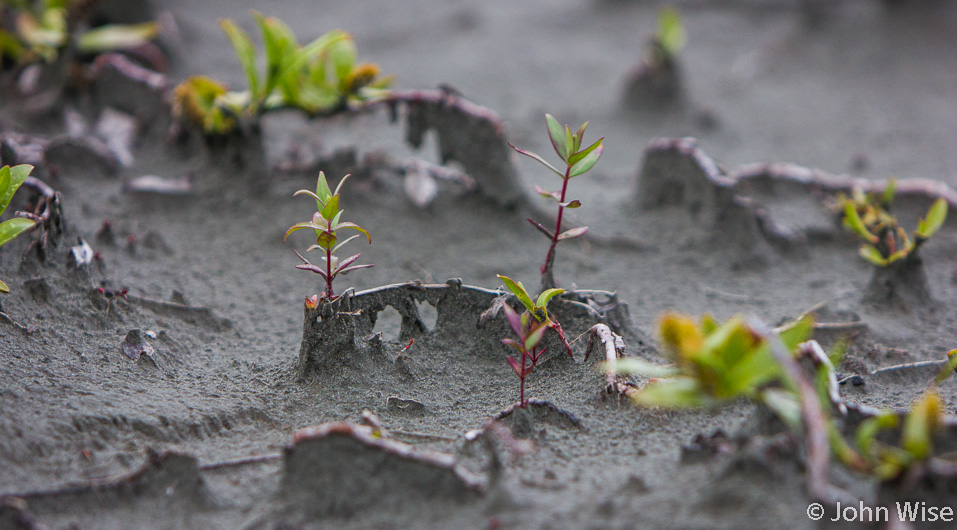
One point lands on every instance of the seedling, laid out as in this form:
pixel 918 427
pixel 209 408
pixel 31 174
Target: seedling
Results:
pixel 715 364
pixel 46 28
pixel 326 224
pixel 321 77
pixel 885 241
pixel 668 41
pixel 577 162
pixel 10 180
pixel 529 329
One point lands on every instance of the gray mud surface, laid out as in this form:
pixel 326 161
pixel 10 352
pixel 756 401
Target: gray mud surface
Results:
pixel 202 432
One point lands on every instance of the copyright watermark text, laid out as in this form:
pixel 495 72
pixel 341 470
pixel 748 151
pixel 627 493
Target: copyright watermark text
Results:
pixel 905 511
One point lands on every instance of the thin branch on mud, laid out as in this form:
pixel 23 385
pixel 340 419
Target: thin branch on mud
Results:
pixel 256 459
pixel 46 214
pixel 813 350
pixel 907 366
pixel 6 318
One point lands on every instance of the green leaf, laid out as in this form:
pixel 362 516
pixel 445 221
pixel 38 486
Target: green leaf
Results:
pixel 11 228
pixel 569 142
pixel 587 162
pixel 680 392
pixel 935 219
pixel 574 232
pixel 341 182
pixel 571 204
pixel 11 178
pixel 341 243
pixel 852 220
pixel 117 37
pixel 557 195
pixel 354 226
pixel 278 41
pixel 519 291
pixel 245 52
pixel 579 136
pixel 867 432
pixel 342 56
pixel 322 189
pixel 331 208
pixel 949 367
pixel 547 295
pixel 786 406
pixel 575 158
pixel 3 287
pixel 539 159
pixel 671 33
pixel 921 424
pixel 300 226
pixel 557 135
pixel 535 336
pixel 887 197
pixel 636 366
pixel 871 254
pixel 797 332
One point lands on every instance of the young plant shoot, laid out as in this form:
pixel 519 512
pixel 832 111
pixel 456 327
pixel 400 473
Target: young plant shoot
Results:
pixel 577 162
pixel 326 223
pixel 10 180
pixel 529 329
pixel 885 241
pixel 321 77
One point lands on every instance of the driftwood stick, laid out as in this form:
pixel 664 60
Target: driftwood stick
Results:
pixel 614 348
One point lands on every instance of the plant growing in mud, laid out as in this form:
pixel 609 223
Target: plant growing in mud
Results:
pixel 669 40
pixel 577 161
pixel 885 241
pixel 10 180
pixel 43 30
pixel 529 329
pixel 326 223
pixel 714 364
pixel 321 77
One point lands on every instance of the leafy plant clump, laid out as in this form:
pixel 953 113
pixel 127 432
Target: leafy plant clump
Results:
pixel 529 329
pixel 885 241
pixel 578 161
pixel 10 180
pixel 714 364
pixel 321 77
pixel 326 223
pixel 42 30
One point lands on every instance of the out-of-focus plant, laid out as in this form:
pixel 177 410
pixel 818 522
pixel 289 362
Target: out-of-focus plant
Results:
pixel 326 223
pixel 10 180
pixel 321 77
pixel 529 329
pixel 43 29
pixel 885 241
pixel 577 161
pixel 669 40
pixel 716 363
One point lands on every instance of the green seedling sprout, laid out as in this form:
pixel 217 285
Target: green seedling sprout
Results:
pixel 10 180
pixel 578 161
pixel 44 29
pixel 669 40
pixel 885 241
pixel 321 77
pixel 714 364
pixel 529 329
pixel 326 223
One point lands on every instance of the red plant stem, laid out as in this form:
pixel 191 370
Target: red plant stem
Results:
pixel 329 294
pixel 558 223
pixel 521 381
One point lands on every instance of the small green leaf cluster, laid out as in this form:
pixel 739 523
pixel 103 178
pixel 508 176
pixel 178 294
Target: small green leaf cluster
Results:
pixel 319 77
pixel 670 38
pixel 326 223
pixel 885 241
pixel 529 329
pixel 10 180
pixel 714 364
pixel 921 423
pixel 578 161
pixel 44 30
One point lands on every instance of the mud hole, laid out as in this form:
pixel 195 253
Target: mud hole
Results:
pixel 158 367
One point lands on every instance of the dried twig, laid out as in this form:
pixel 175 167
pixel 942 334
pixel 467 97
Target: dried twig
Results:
pixel 908 366
pixel 614 348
